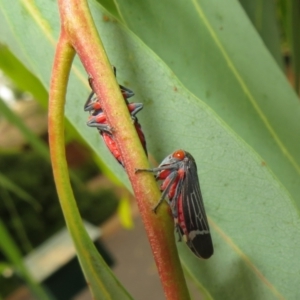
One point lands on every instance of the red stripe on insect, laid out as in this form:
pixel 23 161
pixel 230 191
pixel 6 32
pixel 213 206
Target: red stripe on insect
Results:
pixel 181 189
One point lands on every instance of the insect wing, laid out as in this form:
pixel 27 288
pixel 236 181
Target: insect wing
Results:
pixel 199 238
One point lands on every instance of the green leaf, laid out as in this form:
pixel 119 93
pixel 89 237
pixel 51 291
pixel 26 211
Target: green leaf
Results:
pixel 241 123
pixel 13 255
pixel 4 266
pixel 263 16
pixel 16 71
pixel 220 58
pixel 9 185
pixel 290 18
pixel 32 139
pixel 124 213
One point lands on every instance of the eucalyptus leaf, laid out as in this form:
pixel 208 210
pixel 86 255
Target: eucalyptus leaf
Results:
pixel 215 51
pixel 263 15
pixel 250 183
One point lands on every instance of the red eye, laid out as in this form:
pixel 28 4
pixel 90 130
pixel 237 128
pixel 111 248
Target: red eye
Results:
pixel 179 154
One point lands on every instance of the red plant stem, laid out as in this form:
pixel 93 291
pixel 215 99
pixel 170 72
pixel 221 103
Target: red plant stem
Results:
pixel 82 34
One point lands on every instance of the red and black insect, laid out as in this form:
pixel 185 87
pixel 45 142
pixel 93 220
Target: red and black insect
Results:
pixel 181 186
pixel 98 119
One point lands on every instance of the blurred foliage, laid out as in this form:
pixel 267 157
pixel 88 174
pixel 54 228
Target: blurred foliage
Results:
pixel 288 12
pixel 34 175
pixel 17 72
pixel 262 14
pixel 95 207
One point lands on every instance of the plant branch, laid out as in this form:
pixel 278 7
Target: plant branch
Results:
pixel 81 32
pixel 100 279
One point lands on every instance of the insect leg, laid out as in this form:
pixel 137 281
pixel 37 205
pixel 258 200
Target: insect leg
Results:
pixel 172 177
pixel 134 108
pixel 158 169
pixel 179 231
pixel 100 126
pixel 126 92
pixel 88 106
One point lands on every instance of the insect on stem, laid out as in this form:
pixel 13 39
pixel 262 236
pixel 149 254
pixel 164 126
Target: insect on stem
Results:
pixel 181 189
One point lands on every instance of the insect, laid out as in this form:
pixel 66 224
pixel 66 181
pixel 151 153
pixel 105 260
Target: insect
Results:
pixel 93 103
pixel 98 119
pixel 181 187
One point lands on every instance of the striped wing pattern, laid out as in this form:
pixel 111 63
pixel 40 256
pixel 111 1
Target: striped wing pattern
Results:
pixel 199 238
